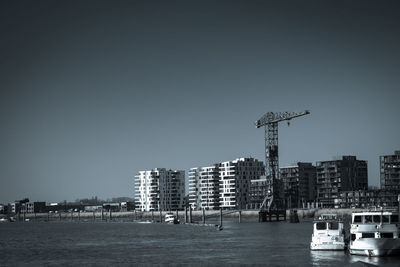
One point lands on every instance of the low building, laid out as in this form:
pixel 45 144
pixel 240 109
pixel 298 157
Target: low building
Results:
pixel 115 207
pixel 367 199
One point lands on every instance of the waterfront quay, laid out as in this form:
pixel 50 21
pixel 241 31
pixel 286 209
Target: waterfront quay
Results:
pixel 196 216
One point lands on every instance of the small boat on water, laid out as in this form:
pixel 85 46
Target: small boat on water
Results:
pixel 170 218
pixel 328 233
pixel 375 233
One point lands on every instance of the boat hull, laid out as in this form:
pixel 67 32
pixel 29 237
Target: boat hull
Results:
pixel 331 246
pixel 375 247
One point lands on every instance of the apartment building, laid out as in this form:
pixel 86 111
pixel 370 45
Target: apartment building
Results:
pixel 390 171
pixel 235 181
pixel 258 191
pixel 336 176
pixel 160 189
pixel 299 184
pixel 224 185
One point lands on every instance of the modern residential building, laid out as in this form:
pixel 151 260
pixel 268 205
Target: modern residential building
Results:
pixel 367 199
pixel 235 181
pixel 209 183
pixel 390 171
pixel 258 191
pixel 159 189
pixel 224 185
pixel 194 188
pixel 336 176
pixel 299 184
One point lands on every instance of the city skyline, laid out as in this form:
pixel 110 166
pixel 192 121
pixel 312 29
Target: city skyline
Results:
pixel 94 92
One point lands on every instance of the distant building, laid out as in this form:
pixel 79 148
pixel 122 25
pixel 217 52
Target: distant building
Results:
pixel 159 189
pixel 390 171
pixel 258 190
pixel 113 206
pixel 204 187
pixel 336 176
pixel 224 185
pixel 236 177
pixel 367 199
pixel 194 188
pixel 299 184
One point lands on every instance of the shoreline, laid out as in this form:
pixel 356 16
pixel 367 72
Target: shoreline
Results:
pixel 156 216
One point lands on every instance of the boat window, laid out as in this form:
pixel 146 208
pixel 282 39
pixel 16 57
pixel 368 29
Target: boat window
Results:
pixel 353 237
pixel 386 235
pixel 368 219
pixel 385 218
pixel 394 218
pixel 321 226
pixel 333 226
pixel 368 235
pixel 357 219
pixel 377 218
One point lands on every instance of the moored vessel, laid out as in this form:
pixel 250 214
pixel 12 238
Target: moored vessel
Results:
pixel 170 218
pixel 328 233
pixel 374 233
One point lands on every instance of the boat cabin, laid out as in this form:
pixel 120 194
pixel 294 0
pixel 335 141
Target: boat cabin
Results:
pixel 375 218
pixel 327 223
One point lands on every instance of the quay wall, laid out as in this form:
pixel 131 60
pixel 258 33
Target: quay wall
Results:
pixel 197 216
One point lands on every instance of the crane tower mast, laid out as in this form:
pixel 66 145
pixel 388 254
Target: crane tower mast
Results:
pixel 270 122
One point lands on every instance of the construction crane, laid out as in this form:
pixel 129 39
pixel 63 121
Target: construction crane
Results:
pixel 274 198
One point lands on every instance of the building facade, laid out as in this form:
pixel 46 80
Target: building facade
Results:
pixel 299 184
pixel 159 189
pixel 258 191
pixel 367 199
pixel 235 181
pixel 336 176
pixel 390 171
pixel 224 185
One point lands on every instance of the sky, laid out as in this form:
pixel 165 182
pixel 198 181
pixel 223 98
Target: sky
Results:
pixel 92 92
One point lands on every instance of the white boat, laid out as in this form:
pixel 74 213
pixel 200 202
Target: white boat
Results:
pixel 170 218
pixel 328 233
pixel 374 233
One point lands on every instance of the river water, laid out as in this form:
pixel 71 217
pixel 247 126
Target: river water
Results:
pixel 133 244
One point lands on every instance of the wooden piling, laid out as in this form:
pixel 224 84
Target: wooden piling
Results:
pixel 185 214
pixel 190 214
pixel 220 217
pixel 160 216
pixel 240 216
pixel 204 216
pixel 102 214
pixel 152 215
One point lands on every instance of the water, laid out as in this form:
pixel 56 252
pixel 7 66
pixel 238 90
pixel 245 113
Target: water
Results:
pixel 128 244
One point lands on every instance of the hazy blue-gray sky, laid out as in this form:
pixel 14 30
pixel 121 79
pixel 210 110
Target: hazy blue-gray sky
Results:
pixel 93 92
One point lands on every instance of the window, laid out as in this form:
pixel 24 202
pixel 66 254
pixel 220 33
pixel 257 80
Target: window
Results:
pixel 333 225
pixel 368 235
pixel 353 237
pixel 321 226
pixel 377 218
pixel 394 218
pixel 357 219
pixel 386 235
pixel 368 219
pixel 385 218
